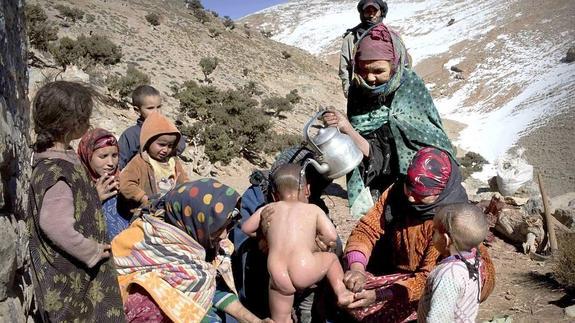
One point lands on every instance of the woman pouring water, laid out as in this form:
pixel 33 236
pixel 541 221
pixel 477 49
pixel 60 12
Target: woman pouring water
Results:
pixel 390 116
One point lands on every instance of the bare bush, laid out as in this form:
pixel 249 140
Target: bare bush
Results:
pixel 40 31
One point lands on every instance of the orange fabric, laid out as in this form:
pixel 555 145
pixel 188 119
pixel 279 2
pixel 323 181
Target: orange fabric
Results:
pixel 408 249
pixel 489 273
pixel 154 125
pixel 137 178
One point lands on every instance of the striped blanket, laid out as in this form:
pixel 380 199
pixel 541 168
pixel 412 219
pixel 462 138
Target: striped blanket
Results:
pixel 170 266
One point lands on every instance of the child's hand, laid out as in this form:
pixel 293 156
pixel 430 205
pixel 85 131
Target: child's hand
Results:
pixel 106 251
pixel 107 186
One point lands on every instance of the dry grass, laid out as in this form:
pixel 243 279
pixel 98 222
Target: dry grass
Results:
pixel 564 269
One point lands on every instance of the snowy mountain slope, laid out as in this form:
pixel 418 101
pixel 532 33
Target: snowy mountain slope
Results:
pixel 510 52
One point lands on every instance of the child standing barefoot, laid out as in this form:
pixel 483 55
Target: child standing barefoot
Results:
pixel 294 261
pixel 74 279
pixel 453 288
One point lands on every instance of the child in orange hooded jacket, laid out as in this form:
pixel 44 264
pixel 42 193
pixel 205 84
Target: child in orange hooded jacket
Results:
pixel 155 170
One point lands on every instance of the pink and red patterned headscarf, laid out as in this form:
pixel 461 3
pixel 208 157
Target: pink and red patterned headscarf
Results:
pixel 428 172
pixel 91 141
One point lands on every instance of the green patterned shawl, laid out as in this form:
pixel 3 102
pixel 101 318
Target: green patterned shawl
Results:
pixel 412 116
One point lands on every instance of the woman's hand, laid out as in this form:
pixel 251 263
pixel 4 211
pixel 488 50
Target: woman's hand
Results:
pixel 363 299
pixel 354 279
pixel 325 246
pixel 334 118
pixel 107 186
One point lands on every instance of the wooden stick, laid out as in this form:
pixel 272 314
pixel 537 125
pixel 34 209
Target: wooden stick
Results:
pixel 548 217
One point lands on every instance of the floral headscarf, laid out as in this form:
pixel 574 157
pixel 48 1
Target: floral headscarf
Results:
pixel 202 208
pixel 91 141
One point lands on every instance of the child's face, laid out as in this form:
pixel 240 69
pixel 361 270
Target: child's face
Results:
pixel 161 149
pixel 151 104
pixel 440 240
pixel 105 160
pixel 374 72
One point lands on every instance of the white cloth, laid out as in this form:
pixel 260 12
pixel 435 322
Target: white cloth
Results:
pixel 450 295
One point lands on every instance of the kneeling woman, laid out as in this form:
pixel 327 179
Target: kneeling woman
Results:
pixel 174 263
pixel 390 252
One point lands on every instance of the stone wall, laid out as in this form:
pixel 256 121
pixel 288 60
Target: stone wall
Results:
pixel 15 292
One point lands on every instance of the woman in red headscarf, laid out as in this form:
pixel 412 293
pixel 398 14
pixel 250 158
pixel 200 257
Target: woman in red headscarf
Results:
pixel 98 150
pixel 390 252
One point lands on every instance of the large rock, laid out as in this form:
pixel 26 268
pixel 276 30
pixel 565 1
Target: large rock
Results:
pixel 570 57
pixel 11 311
pixel 566 216
pixel 14 157
pixel 7 257
pixel 562 201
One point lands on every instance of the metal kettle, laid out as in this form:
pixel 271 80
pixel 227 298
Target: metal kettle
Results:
pixel 336 151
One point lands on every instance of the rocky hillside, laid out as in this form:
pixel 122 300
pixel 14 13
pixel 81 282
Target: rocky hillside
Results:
pixel 170 54
pixel 514 87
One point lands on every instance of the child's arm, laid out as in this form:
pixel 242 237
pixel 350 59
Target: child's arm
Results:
pixel 130 182
pixel 253 223
pixel 325 229
pixel 57 221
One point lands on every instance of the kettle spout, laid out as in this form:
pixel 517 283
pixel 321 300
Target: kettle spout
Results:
pixel 321 168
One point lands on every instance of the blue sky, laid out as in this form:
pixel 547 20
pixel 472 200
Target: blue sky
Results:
pixel 238 8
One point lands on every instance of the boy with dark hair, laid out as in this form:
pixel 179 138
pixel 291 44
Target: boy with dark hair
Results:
pixel 146 100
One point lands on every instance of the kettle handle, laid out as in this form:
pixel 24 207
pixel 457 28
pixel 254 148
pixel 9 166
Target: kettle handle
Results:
pixel 306 131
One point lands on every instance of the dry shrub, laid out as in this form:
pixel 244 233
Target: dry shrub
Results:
pixel 40 31
pixel 126 84
pixel 153 19
pixel 71 13
pixel 86 51
pixel 564 268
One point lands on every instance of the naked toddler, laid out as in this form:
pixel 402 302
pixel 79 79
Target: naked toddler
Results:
pixel 294 260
